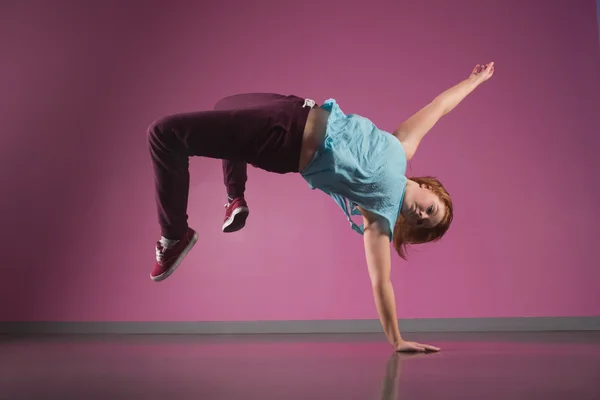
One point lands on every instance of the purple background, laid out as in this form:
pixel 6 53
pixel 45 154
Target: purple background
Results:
pixel 81 83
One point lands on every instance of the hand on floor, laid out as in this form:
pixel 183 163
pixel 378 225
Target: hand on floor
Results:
pixel 405 346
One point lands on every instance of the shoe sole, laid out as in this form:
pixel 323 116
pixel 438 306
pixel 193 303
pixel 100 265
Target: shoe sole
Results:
pixel 178 261
pixel 236 221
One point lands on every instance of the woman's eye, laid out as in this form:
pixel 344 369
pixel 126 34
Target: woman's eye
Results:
pixel 430 210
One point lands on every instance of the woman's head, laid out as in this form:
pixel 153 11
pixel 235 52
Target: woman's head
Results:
pixel 425 215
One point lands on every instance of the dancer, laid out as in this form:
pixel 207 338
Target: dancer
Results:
pixel 345 156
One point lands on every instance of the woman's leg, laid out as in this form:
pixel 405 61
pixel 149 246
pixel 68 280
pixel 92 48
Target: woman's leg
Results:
pixel 268 136
pixel 226 134
pixel 235 173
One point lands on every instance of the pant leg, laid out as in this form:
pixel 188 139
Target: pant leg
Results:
pixel 235 176
pixel 170 164
pixel 172 140
pixel 235 173
pixel 267 136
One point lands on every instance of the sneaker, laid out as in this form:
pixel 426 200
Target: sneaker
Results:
pixel 168 259
pixel 236 213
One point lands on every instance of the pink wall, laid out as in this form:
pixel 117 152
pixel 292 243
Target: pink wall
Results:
pixel 80 85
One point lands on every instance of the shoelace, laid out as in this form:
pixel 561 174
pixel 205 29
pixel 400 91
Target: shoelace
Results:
pixel 160 252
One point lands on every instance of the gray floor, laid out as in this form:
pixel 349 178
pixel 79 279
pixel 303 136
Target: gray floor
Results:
pixel 561 365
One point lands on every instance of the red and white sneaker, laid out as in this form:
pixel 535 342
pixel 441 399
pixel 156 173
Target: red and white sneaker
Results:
pixel 168 259
pixel 236 213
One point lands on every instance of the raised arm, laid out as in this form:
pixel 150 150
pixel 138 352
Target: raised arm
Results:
pixel 377 252
pixel 411 132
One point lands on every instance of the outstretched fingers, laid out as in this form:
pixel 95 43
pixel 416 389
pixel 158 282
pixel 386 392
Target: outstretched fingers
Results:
pixel 427 347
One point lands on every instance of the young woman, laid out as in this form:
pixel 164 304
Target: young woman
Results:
pixel 346 156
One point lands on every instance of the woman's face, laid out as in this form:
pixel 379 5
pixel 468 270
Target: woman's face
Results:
pixel 421 207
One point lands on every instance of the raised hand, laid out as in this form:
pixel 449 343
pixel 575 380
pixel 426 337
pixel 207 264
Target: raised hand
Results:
pixel 482 72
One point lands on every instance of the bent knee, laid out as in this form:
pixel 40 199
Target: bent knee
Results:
pixel 158 127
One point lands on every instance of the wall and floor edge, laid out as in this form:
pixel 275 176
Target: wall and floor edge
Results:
pixel 519 324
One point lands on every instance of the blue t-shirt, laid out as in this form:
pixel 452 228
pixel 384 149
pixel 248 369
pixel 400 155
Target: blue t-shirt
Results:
pixel 359 165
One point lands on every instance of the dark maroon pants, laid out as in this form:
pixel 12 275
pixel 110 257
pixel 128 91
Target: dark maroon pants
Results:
pixel 261 129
